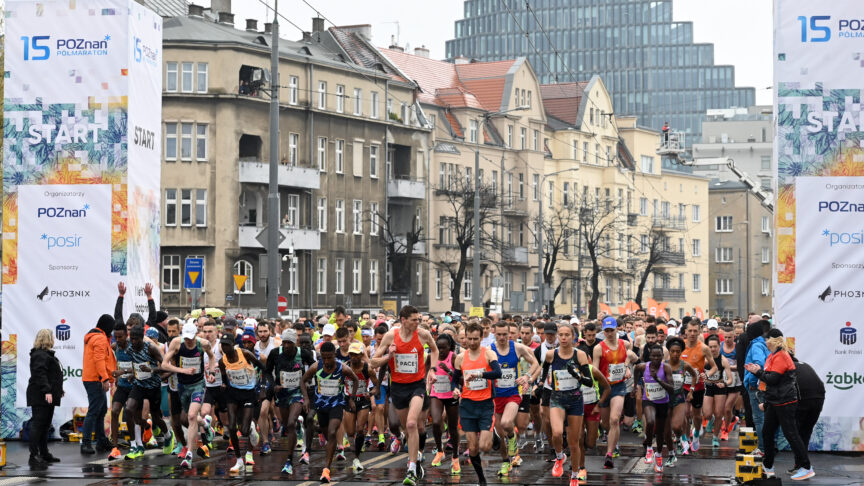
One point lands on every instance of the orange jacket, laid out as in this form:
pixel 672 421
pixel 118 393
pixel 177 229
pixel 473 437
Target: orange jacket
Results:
pixel 99 359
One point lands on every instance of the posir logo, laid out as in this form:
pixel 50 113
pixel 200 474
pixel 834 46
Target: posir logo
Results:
pixel 62 241
pixel 848 334
pixel 143 53
pixel 62 212
pixel 63 331
pixel 845 238
pixel 844 381
pixel 841 207
pixel 36 48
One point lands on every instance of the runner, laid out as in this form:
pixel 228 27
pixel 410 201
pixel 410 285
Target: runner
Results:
pixel 716 387
pixel 444 401
pixel 402 349
pixel 733 393
pixel 263 347
pixel 507 396
pixel 172 329
pixel 355 419
pixel 696 353
pixel 544 391
pixel 189 351
pixel 329 374
pixel 146 394
pixel 308 424
pixel 215 397
pixel 239 380
pixel 678 400
pixel 381 398
pixel 124 386
pixel 591 396
pixel 529 407
pixel 656 379
pixel 477 365
pixel 612 358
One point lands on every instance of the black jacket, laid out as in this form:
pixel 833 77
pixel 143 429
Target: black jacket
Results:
pixel 809 384
pixel 46 376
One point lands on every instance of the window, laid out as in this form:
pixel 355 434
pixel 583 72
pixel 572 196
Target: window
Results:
pixel 551 193
pixel 643 244
pixel 340 216
pixel 357 159
pixel 170 141
pixel 523 136
pixel 694 209
pixel 357 215
pixel 466 288
pixel 472 131
pixel 766 254
pixel 186 141
pixel 322 154
pixel 723 255
pixel 766 224
pixel 293 82
pixel 438 284
pixel 322 214
pixel 292 276
pixel 565 194
pixel 293 211
pixel 201 142
pixel 293 140
pixel 536 140
pixel 185 207
pixel 697 248
pixel 340 156
pixel 373 216
pixel 418 273
pixel 170 207
pixel 340 98
pixel 535 186
pixel 723 223
pixel 373 161
pixel 529 99
pixel 358 101
pixel 724 286
pixel 647 164
pixel 170 273
pixel 355 276
pixel 766 287
pixel 322 276
pixel 575 150
pixel 766 162
pixel 322 95
pixel 697 282
pixel 374 102
pixel 373 276
pixel 242 267
pixel 186 77
pixel 509 136
pixel 201 208
pixel 643 206
pixel 171 77
pixel 340 276
pixel 597 154
pixel 585 152
pixel 202 77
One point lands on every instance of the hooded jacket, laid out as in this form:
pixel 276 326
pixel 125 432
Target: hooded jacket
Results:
pixel 99 360
pixel 46 376
pixel 757 353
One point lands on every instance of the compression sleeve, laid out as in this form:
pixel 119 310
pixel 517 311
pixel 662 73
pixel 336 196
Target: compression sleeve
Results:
pixel 495 373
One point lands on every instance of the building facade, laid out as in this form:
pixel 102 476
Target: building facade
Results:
pixel 649 62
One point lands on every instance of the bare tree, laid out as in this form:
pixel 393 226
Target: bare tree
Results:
pixel 599 219
pixel 560 232
pixel 400 245
pixel 654 251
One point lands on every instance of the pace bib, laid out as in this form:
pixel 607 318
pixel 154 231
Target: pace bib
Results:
pixel 407 363
pixel 290 379
pixel 238 377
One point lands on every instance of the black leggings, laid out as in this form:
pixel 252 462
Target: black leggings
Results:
pixel 784 416
pixel 40 426
pixel 452 408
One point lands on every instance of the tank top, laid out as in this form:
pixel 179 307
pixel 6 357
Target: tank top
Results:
pixel 695 358
pixel 362 379
pixel 442 387
pixel 172 378
pixel 591 394
pixel 124 363
pixel 407 365
pixel 476 390
pixel 506 385
pixel 289 373
pixel 329 387
pixel 340 357
pixel 653 391
pixel 240 373
pixel 730 357
pixel 716 371
pixel 141 358
pixel 563 383
pixel 190 358
pixel 217 353
pixel 613 362
pixel 545 348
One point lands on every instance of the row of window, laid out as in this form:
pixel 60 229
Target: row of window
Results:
pixel 356 100
pixel 724 224
pixel 723 286
pixel 189 198
pixel 356 216
pixel 193 140
pixel 663 209
pixel 186 77
pixel 725 255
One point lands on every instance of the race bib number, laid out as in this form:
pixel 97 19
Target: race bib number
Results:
pixel 124 366
pixel 714 376
pixel 442 384
pixel 654 392
pixel 290 379
pixel 217 379
pixel 616 372
pixel 328 388
pixel 140 374
pixel 688 379
pixel 186 362
pixel 475 385
pixel 238 377
pixel 565 381
pixel 589 395
pixel 407 363
pixel 508 378
pixel 678 380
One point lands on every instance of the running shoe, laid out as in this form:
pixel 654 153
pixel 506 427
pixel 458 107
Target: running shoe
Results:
pixel 649 455
pixel 505 469
pixel 803 474
pixel 230 449
pixel 266 449
pixel 793 470
pixel 321 440
pixel 715 442
pixel 178 450
pixel 254 436
pixel 420 471
pixel 346 444
pixel 382 443
pixel 287 468
pixel 558 468
pixel 148 432
pixel 208 429
pixel 685 445
pixel 574 479
pixel 134 453
pixel 671 460
pixel 183 452
pixel 395 446
pixel 250 458
pixel 679 447
pixel 455 468
pixel 367 441
pixel 757 452
pixel 170 442
pixel 203 451
pixel 616 453
pixel 115 454
pixel 304 459
pixel 637 427
pixel 357 465
pixel 732 425
pixel 439 456
pixel 705 423
pixel 658 464
pixel 724 434
pixel 582 475
pixel 496 440
pixel 605 437
pixel 325 475
pixel 299 445
pixel 516 461
pixel 152 443
pixel 238 466
pixel 538 446
pixel 696 443
pixel 608 463
pixel 419 457
pixel 512 446
pixel 768 471
pixel 187 461
pixel 410 479
pixel 340 455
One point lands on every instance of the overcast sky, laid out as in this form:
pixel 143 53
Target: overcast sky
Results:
pixel 741 30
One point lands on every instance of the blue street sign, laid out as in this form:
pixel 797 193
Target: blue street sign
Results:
pixel 194 273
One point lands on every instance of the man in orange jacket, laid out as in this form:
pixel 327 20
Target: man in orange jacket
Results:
pixel 97 376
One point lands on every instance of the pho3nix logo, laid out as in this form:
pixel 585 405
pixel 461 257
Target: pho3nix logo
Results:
pixel 830 294
pixel 48 294
pixel 848 334
pixel 63 331
pixel 38 47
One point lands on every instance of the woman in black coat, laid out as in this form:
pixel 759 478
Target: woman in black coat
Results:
pixel 44 392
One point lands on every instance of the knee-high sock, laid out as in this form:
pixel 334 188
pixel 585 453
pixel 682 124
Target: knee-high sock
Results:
pixel 478 467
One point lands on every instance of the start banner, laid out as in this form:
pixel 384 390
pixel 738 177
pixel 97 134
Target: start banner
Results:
pixel 819 155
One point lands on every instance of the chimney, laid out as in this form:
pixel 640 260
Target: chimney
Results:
pixel 268 27
pixel 363 30
pixel 217 6
pixel 421 51
pixel 226 18
pixel 307 36
pixel 317 24
pixel 462 60
pixel 251 25
pixel 196 11
pixel 394 47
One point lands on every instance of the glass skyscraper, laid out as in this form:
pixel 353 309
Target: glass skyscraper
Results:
pixel 649 63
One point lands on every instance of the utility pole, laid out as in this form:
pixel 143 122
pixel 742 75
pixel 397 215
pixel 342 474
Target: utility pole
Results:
pixel 273 262
pixel 475 267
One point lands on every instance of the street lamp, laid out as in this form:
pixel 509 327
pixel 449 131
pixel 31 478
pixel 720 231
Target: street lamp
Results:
pixel 540 282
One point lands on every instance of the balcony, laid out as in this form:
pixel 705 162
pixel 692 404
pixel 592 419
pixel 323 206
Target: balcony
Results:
pixel 289 175
pixel 406 189
pixel 296 238
pixel 669 295
pixel 667 257
pixel 400 245
pixel 632 218
pixel 662 223
pixel 514 206
pixel 515 255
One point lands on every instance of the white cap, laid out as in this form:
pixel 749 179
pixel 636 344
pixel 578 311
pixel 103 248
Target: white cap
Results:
pixel 329 330
pixel 712 324
pixel 190 330
pixel 250 322
pixel 574 320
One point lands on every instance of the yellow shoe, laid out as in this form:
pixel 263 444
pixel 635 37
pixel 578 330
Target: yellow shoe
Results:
pixel 516 461
pixel 439 456
pixel 455 468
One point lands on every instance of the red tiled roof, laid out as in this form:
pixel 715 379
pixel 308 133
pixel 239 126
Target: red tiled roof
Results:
pixel 457 97
pixel 479 70
pixel 360 54
pixel 488 91
pixel 430 74
pixel 454 124
pixel 562 100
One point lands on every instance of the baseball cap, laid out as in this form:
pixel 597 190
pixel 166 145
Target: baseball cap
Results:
pixel 248 337
pixel 610 322
pixel 250 322
pixel 152 333
pixel 550 328
pixel 574 320
pixel 766 315
pixel 712 324
pixel 190 330
pixel 226 339
pixel 355 348
pixel 322 321
pixel 662 328
pixel 289 335
pixel 329 330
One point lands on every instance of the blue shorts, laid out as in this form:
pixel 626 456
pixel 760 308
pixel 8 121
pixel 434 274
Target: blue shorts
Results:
pixel 476 416
pixel 191 393
pixel 381 398
pixel 617 390
pixel 285 398
pixel 570 403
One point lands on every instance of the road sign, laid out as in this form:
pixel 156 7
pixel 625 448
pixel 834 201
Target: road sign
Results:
pixel 262 237
pixel 229 298
pixel 283 304
pixel 239 280
pixel 194 273
pixel 498 295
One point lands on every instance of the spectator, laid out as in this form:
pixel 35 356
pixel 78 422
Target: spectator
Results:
pixel 757 353
pixel 97 376
pixel 812 392
pixel 44 392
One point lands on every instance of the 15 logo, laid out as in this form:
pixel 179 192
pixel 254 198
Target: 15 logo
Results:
pixel 37 45
pixel 814 26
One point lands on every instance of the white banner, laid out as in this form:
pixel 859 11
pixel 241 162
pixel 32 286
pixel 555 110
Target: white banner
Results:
pixel 81 165
pixel 819 284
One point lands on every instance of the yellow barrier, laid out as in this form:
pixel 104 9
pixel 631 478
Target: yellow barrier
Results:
pixel 747 440
pixel 747 468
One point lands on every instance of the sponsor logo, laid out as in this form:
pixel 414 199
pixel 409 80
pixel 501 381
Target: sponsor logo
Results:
pixel 841 207
pixel 62 212
pixel 819 28
pixel 830 294
pixel 62 241
pixel 844 381
pixel 48 294
pixel 62 268
pixel 844 238
pixel 141 52
pixel 70 372
pixel 826 295
pixel 63 331
pixel 145 138
pixel 38 47
pixel 848 334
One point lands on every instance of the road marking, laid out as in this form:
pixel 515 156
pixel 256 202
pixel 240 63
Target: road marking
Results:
pixel 389 461
pixel 17 480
